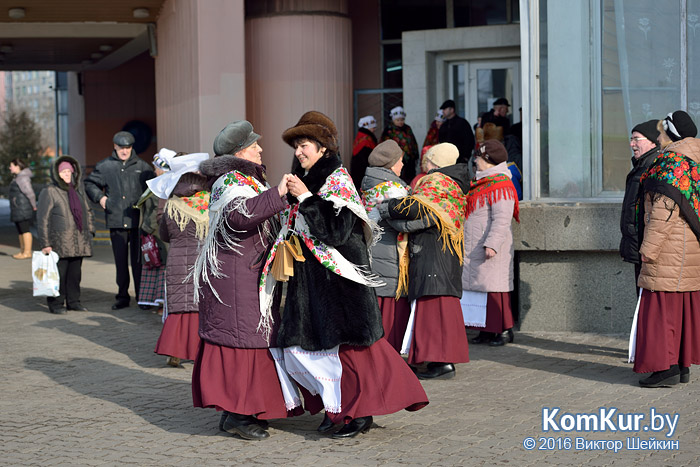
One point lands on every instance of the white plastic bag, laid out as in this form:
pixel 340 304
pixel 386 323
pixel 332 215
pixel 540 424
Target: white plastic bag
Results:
pixel 45 274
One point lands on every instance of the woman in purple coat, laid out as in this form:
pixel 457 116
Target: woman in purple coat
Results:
pixel 234 371
pixel 184 225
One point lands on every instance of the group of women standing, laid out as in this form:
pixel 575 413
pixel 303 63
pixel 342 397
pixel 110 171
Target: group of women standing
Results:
pixel 327 345
pixel 336 344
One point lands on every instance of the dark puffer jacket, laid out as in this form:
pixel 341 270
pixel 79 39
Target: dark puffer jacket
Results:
pixel 22 197
pixel 323 309
pixel 432 269
pixel 234 322
pixel 184 248
pixel 55 223
pixel 629 225
pixel 385 256
pixel 122 182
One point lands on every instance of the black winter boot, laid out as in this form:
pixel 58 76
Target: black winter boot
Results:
pixel 660 379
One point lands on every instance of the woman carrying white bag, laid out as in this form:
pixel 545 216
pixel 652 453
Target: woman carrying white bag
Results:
pixel 65 226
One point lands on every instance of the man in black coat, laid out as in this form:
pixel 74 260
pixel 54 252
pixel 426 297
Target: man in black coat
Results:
pixel 645 150
pixel 457 131
pixel 116 184
pixel 498 115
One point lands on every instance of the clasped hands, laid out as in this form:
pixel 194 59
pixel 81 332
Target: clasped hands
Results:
pixel 291 184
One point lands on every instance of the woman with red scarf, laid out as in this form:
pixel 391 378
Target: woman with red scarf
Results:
pixel 487 274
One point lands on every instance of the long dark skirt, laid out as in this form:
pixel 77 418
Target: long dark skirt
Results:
pixel 395 314
pixel 375 381
pixel 243 381
pixel 668 331
pixel 499 315
pixel 179 336
pixel 438 332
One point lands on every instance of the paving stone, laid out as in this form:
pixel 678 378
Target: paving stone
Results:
pixel 85 388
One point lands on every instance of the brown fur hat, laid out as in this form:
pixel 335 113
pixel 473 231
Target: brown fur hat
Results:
pixel 314 125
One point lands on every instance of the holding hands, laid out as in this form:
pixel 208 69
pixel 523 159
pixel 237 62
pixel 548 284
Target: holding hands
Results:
pixel 295 186
pixel 282 188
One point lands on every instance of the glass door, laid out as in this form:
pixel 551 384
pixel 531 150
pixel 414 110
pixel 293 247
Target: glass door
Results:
pixel 475 85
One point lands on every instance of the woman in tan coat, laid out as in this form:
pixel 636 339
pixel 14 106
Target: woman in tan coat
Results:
pixel 668 320
pixel 487 274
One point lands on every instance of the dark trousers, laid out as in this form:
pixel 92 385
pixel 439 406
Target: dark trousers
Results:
pixel 125 243
pixel 70 273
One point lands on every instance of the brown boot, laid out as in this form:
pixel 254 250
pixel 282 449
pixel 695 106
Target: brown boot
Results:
pixel 26 247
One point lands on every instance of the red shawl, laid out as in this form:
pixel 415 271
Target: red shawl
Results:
pixel 489 190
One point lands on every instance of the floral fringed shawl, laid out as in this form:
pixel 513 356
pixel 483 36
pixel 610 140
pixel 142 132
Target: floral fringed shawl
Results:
pixel 677 177
pixel 193 208
pixel 340 190
pixel 440 199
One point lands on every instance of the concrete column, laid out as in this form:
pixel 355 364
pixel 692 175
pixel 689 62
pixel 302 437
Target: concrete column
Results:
pixel 200 71
pixel 76 120
pixel 298 58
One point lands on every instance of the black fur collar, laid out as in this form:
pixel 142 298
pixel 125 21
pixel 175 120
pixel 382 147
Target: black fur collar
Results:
pixel 316 177
pixel 216 167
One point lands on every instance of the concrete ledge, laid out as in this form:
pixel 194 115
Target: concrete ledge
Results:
pixel 568 227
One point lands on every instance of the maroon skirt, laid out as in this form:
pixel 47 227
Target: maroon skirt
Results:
pixel 438 331
pixel 375 381
pixel 243 381
pixel 395 314
pixel 499 315
pixel 179 336
pixel 668 331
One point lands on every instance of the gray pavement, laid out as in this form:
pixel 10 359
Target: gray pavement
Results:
pixel 85 388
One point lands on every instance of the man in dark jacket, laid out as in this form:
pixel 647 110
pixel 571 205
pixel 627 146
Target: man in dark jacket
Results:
pixel 116 184
pixel 457 131
pixel 645 150
pixel 498 115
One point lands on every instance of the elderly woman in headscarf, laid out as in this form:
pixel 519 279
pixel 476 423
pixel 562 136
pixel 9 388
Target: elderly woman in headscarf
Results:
pixel 183 223
pixel 382 183
pixel 667 323
pixel 365 142
pixel 65 224
pixel 430 268
pixel 487 275
pixel 403 135
pixel 331 326
pixel 234 371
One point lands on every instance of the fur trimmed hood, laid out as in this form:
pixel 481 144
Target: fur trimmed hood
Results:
pixel 77 172
pixel 216 167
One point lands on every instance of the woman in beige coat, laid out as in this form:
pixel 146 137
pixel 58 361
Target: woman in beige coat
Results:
pixel 668 320
pixel 487 274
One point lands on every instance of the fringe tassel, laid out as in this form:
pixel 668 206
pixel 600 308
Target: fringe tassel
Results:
pixel 493 196
pixel 449 237
pixel 183 214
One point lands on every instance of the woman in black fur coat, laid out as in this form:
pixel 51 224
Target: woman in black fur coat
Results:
pixel 331 328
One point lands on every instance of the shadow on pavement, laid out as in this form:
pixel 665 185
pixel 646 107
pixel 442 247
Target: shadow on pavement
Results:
pixel 135 390
pixel 116 333
pixel 142 393
pixel 520 354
